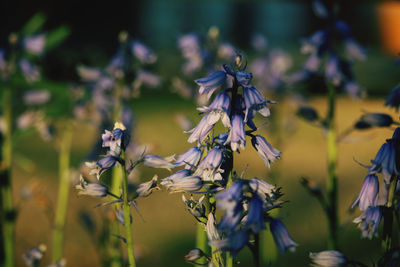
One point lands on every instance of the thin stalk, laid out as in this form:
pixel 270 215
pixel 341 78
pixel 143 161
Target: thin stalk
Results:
pixel 332 189
pixel 8 212
pixel 387 239
pixel 229 260
pixel 201 242
pixel 116 177
pixel 127 215
pixel 63 192
pixel 256 250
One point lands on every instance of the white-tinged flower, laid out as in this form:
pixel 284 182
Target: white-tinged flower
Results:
pixel 266 151
pixel 237 134
pixel 201 131
pixel 219 108
pixel 91 189
pixel 35 44
pixel 211 83
pixel 145 189
pixel 328 258
pixel 154 161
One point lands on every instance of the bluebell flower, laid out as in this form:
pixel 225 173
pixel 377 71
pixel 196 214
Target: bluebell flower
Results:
pixel 91 189
pixel 281 236
pixel 320 9
pixel 145 189
pixel 154 161
pixel 176 176
pixel 255 101
pixel 194 255
pixel 30 72
pixel 219 108
pixel 211 229
pixel 209 167
pixel 328 258
pixel 99 167
pixel 35 44
pixel 211 83
pixel 369 221
pixel 232 218
pixel 119 215
pixel 116 139
pixel 393 100
pixel 266 151
pixel 201 131
pixel 244 78
pixel 353 89
pixel 36 97
pixel 255 216
pixel 143 53
pixel 385 161
pixel 353 50
pixel 229 199
pixel 332 70
pixel 189 158
pixel 237 134
pixel 369 192
pixel 261 188
pixel 312 64
pixel 232 243
pixel 175 184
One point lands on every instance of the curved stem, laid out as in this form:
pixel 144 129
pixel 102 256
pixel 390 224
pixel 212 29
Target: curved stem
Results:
pixel 7 212
pixel 332 165
pixel 63 192
pixel 127 215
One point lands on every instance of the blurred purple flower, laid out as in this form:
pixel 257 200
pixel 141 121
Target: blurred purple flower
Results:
pixel 368 194
pixel 281 236
pixel 35 44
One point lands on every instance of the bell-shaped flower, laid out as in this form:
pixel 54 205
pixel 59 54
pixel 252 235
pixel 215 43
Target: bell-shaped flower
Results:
pixel 255 101
pixel 231 197
pixel 35 44
pixel 200 132
pixel 154 161
pixel 119 215
pixel 237 134
pixel 211 83
pixel 255 215
pixel 332 70
pixel 244 78
pixel 116 139
pixel 211 229
pixel 261 188
pixel 385 161
pixel 99 167
pixel 91 189
pixel 369 221
pixel 233 242
pixel 213 159
pixel 266 151
pixel 393 100
pixel 194 255
pixel 369 192
pixel 195 207
pixel 183 184
pixel 176 176
pixel 219 108
pixel 328 258
pixel 189 158
pixel 143 53
pixel 145 189
pixel 281 236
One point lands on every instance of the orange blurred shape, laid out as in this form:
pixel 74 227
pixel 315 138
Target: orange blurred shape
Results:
pixel 389 20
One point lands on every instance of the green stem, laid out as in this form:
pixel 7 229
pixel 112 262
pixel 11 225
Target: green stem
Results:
pixel 332 189
pixel 127 215
pixel 387 238
pixel 229 259
pixel 7 212
pixel 63 192
pixel 201 242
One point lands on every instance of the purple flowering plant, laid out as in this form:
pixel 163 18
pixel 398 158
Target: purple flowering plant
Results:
pixel 208 170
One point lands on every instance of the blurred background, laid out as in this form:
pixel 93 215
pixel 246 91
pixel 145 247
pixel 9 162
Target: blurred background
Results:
pixel 165 233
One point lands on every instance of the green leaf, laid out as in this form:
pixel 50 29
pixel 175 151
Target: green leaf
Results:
pixel 34 24
pixel 56 37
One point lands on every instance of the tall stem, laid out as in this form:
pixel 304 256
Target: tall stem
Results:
pixel 332 165
pixel 7 212
pixel 201 241
pixel 387 238
pixel 63 191
pixel 127 215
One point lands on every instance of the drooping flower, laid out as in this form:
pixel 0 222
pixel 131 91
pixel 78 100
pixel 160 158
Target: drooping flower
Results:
pixel 154 161
pixel 143 53
pixel 255 216
pixel 195 207
pixel 385 161
pixel 281 236
pixel 211 83
pixel 369 192
pixel 266 151
pixel 393 100
pixel 219 108
pixel 200 132
pixel 183 184
pixel 237 134
pixel 328 258
pixel 255 101
pixel 189 158
pixel 91 189
pixel 145 189
pixel 369 221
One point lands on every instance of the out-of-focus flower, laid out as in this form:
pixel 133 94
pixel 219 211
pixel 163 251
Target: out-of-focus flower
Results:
pixel 33 256
pixel 35 44
pixel 255 217
pixel 36 97
pixel 143 53
pixel 281 236
pixel 154 161
pixel 194 255
pixel 328 258
pixel 30 71
pixel 393 100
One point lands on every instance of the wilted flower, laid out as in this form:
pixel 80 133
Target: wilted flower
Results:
pixel 266 151
pixel 145 189
pixel 328 258
pixel 281 236
pixel 369 221
pixel 369 192
pixel 154 161
pixel 91 189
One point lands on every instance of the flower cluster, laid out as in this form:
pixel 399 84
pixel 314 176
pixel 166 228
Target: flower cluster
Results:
pixel 320 48
pixel 208 166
